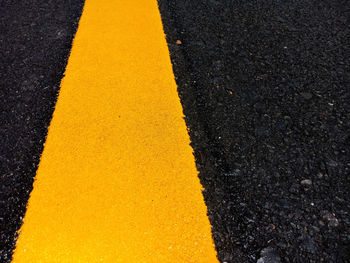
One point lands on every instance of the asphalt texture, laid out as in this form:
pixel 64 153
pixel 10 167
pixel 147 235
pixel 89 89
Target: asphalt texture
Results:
pixel 35 41
pixel 265 87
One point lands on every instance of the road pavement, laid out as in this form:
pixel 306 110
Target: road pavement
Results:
pixel 265 89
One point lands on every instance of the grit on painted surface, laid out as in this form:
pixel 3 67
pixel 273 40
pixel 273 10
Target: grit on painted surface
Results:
pixel 117 180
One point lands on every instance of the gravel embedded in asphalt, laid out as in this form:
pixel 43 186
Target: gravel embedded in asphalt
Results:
pixel 35 41
pixel 265 87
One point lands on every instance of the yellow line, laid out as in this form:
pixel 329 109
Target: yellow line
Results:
pixel 117 180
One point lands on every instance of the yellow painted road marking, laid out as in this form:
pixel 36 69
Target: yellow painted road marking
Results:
pixel 117 180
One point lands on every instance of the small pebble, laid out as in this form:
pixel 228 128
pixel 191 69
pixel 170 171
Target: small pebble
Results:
pixel 320 175
pixel 269 255
pixel 306 182
pixel 332 220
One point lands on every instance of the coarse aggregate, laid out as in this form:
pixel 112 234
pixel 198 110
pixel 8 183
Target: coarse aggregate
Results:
pixel 265 87
pixel 35 41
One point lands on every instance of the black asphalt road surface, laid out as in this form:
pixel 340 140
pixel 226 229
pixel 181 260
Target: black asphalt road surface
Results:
pixel 35 40
pixel 265 87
